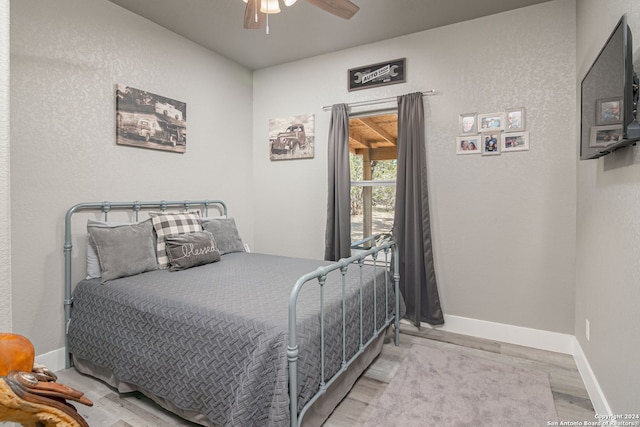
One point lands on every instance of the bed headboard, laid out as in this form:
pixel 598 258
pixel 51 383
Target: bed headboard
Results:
pixel 133 208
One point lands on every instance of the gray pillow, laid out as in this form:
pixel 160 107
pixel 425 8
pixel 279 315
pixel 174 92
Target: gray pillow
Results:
pixel 124 250
pixel 93 264
pixel 225 233
pixel 190 250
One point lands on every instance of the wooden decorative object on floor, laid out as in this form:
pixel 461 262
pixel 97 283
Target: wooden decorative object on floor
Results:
pixel 31 396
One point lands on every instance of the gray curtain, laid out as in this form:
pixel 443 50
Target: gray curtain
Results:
pixel 338 232
pixel 412 229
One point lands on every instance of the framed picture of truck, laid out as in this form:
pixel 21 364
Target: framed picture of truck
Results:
pixel 147 120
pixel 291 137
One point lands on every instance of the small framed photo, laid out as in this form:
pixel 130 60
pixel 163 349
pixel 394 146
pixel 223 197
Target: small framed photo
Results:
pixel 490 122
pixel 468 124
pixel 514 120
pixel 608 111
pixel 468 144
pixel 490 144
pixel 515 141
pixel 601 136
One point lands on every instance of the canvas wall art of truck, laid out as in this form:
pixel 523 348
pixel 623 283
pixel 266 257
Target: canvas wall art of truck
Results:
pixel 289 141
pixel 147 120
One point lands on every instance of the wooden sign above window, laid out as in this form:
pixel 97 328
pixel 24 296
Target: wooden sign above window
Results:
pixel 380 74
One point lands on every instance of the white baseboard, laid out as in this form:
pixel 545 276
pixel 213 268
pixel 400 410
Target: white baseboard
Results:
pixel 54 360
pixel 519 335
pixel 535 338
pixel 598 399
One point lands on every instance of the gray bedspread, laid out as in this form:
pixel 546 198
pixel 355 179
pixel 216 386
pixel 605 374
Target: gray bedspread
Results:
pixel 212 339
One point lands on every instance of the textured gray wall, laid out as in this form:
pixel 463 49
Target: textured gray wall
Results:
pixel 504 227
pixel 5 221
pixel 66 57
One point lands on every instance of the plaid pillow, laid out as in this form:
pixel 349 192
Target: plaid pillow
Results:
pixel 168 223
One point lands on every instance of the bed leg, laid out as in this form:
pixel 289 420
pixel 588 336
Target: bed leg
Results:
pixel 292 356
pixel 396 282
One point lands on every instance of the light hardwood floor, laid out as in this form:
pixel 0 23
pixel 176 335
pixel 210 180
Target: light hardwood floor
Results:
pixel 570 396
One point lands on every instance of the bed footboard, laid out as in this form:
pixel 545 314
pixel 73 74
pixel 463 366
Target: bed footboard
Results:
pixel 370 256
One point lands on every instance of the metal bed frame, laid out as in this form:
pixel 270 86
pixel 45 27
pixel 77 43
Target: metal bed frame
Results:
pixel 366 256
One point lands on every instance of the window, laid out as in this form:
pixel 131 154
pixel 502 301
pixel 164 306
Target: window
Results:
pixel 373 163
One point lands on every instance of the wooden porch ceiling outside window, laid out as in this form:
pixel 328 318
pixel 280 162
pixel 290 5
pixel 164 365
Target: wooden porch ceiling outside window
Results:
pixel 377 135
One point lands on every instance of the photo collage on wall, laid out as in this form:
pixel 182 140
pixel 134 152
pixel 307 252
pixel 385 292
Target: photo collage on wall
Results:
pixel 493 133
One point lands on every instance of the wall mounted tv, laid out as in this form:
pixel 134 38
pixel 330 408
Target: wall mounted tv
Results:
pixel 610 97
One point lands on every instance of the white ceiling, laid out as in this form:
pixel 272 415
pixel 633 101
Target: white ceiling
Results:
pixel 303 30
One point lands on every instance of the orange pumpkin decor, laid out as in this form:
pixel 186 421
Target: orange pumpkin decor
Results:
pixel 16 354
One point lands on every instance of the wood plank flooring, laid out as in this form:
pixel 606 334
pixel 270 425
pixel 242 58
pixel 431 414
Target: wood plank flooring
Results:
pixel 570 396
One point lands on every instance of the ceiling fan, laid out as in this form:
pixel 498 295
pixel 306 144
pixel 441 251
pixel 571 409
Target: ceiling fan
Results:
pixel 257 11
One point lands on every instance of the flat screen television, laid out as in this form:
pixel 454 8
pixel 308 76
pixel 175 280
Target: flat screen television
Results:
pixel 610 97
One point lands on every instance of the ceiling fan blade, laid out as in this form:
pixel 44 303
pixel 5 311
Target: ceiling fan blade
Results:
pixel 250 12
pixel 342 8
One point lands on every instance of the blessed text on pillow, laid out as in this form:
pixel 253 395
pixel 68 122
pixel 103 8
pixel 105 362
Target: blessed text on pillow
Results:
pixel 191 249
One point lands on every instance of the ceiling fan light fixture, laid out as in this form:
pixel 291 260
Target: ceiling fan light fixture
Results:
pixel 255 17
pixel 269 6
